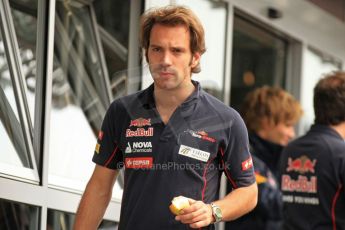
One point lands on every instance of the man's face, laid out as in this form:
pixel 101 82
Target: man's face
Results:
pixel 169 56
pixel 279 134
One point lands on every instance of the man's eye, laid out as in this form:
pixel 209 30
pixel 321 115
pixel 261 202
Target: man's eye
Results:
pixel 156 49
pixel 177 51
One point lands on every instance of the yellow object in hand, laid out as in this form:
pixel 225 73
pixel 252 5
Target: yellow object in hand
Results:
pixel 178 203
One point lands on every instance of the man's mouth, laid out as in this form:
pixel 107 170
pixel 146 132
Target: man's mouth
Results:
pixel 166 73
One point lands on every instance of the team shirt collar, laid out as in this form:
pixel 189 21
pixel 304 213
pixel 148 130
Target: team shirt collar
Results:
pixel 325 129
pixel 148 100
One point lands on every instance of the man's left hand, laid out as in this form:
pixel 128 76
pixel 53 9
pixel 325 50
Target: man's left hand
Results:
pixel 197 215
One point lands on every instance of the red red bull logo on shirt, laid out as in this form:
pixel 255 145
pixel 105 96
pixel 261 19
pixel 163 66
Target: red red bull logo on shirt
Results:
pixel 139 132
pixel 302 165
pixel 302 184
pixel 140 122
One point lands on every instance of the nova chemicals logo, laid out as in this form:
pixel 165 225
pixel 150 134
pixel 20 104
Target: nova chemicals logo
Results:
pixel 139 147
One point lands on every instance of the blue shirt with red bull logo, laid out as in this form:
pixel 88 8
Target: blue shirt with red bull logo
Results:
pixel 312 181
pixel 186 156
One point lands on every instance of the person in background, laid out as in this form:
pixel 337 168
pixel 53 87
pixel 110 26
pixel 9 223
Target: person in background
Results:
pixel 312 167
pixel 270 114
pixel 172 139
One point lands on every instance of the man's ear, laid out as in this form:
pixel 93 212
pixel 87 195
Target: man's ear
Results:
pixel 265 123
pixel 146 55
pixel 268 124
pixel 195 59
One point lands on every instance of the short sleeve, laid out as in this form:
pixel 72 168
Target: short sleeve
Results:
pixel 107 152
pixel 238 163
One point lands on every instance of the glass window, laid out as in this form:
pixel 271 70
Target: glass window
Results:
pixel 117 27
pixel 24 14
pixel 114 33
pixel 213 60
pixel 77 105
pixel 18 216
pixel 14 158
pixel 315 65
pixel 258 58
pixel 64 220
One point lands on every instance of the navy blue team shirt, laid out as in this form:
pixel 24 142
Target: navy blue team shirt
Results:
pixel 186 156
pixel 312 181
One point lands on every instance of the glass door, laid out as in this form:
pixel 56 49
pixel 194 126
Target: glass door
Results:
pixel 259 58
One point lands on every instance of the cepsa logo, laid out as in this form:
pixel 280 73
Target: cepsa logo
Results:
pixel 301 165
pixel 139 162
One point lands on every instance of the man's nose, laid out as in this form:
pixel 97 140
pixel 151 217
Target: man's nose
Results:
pixel 166 59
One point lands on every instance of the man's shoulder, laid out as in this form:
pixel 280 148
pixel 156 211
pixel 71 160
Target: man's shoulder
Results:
pixel 322 137
pixel 127 100
pixel 131 97
pixel 210 101
pixel 328 146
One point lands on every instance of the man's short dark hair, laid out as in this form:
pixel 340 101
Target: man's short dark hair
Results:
pixel 329 99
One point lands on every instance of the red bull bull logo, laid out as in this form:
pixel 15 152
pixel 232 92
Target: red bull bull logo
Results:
pixel 140 122
pixel 302 184
pixel 301 165
pixel 139 132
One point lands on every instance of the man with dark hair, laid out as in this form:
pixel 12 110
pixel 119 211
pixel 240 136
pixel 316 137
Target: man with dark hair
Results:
pixel 270 114
pixel 172 138
pixel 313 166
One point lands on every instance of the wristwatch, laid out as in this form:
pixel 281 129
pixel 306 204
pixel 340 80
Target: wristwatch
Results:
pixel 216 212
